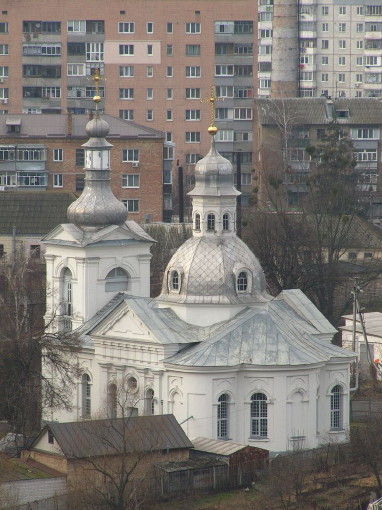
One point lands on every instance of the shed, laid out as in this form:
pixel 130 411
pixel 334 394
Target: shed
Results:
pixel 243 461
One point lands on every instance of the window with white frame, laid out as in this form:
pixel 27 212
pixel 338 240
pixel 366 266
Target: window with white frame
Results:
pixel 365 133
pixel 222 416
pixel 342 10
pixel 192 158
pixel 169 28
pixel 94 52
pixel 126 93
pixel 242 282
pixel 324 61
pixel 130 180
pixel 211 222
pixel 324 77
pixel 366 155
pixel 341 61
pixel 149 115
pixel 126 49
pixel 169 115
pixel 150 50
pixel 58 155
pixel 149 93
pixel 325 10
pixel 169 94
pixel 169 72
pixel 76 70
pixel 169 50
pixel 149 71
pixel 224 70
pixel 224 90
pixel 242 113
pixel 192 71
pixel 325 27
pixel 192 136
pixel 341 77
pixel 126 71
pixel 4 49
pixel 130 155
pixel 77 25
pixel 3 27
pixel 193 93
pixel 58 180
pixel 336 408
pixel 126 27
pixel 342 27
pixel 359 27
pixel 126 114
pixel 192 114
pixel 132 205
pixel 193 50
pixel 150 27
pixel 259 415
pixel 225 135
pixel 342 44
pixel 193 28
pixel 225 221
pixel 359 45
pixel 3 71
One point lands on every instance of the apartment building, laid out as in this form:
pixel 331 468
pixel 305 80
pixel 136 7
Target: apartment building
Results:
pixel 44 152
pixel 157 60
pixel 285 127
pixel 339 47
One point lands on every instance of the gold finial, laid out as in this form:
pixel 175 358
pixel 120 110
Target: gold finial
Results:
pixel 212 129
pixel 96 77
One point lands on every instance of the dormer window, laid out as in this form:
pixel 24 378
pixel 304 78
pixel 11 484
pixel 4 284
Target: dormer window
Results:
pixel 226 221
pixel 211 222
pixel 174 281
pixel 242 282
pixel 197 221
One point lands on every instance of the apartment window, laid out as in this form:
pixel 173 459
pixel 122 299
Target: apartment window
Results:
pixel 243 136
pixel 74 49
pixel 169 28
pixel 149 71
pixel 192 136
pixel 169 94
pixel 130 180
pixel 126 71
pixel 342 10
pixel 366 155
pixel 169 115
pixel 265 49
pixel 359 78
pixel 325 44
pixel 94 52
pixel 192 71
pixel 224 70
pixel 76 26
pixel 58 180
pixel 341 61
pixel 193 93
pixel 371 61
pixel 126 49
pixel 3 27
pixel 244 27
pixel 225 135
pixel 342 44
pixel 224 113
pixel 192 159
pixel 149 94
pixel 126 93
pixel 307 75
pixel 126 27
pixel 3 71
pixel 80 157
pixel 365 133
pixel 359 10
pixel 126 114
pixel 149 115
pixel 373 10
pixel 341 77
pixel 150 27
pixel 325 10
pixel 169 136
pixel 325 27
pixel 130 155
pixel 76 70
pixel 169 50
pixel 169 72
pixel 4 49
pixel 342 27
pixel 80 182
pixel 193 50
pixel 265 33
pixel 359 45
pixel 359 61
pixel 150 50
pixel 132 205
pixel 324 77
pixel 265 83
pixel 58 155
pixel 192 114
pixel 193 28
pixel 324 61
pixel 243 113
pixel 224 91
pixel 359 27
pixel 168 152
pixel 265 16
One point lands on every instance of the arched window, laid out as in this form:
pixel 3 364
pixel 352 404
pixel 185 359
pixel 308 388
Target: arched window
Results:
pixel 259 415
pixel 132 384
pixel 223 416
pixel 336 408
pixel 197 221
pixel 117 280
pixel 242 282
pixel 149 403
pixel 86 396
pixel 112 400
pixel 174 280
pixel 67 293
pixel 210 221
pixel 225 221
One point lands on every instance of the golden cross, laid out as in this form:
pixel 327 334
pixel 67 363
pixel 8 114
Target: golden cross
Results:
pixel 212 100
pixel 96 77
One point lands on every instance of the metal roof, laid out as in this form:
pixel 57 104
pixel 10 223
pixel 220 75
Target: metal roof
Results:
pixel 217 446
pixel 94 438
pixel 372 320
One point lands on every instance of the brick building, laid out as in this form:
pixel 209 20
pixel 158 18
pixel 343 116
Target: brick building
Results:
pixel 158 60
pixel 43 152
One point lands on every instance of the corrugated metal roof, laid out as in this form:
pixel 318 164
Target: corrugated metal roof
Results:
pixel 33 212
pixel 217 446
pixel 121 435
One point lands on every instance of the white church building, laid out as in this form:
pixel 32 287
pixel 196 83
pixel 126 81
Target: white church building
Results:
pixel 215 349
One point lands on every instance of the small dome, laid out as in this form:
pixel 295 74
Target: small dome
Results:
pixel 210 271
pixel 97 128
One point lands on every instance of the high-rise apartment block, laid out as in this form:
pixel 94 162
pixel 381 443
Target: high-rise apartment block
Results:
pixel 339 47
pixel 157 60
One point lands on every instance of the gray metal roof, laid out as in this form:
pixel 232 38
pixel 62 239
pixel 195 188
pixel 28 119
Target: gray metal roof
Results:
pixel 207 266
pixel 372 321
pixel 217 446
pixel 318 110
pixel 47 125
pixel 94 438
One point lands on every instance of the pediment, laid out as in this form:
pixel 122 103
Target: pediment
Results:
pixel 124 323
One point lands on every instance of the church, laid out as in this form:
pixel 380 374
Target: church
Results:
pixel 214 348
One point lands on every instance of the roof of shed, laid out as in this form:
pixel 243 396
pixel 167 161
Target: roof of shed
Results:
pixel 218 446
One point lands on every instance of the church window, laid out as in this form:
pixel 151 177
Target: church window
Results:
pixel 222 423
pixel 112 400
pixel 132 383
pixel 336 408
pixel 67 293
pixel 149 402
pixel 175 280
pixel 242 282
pixel 197 221
pixel 210 221
pixel 259 415
pixel 86 396
pixel 225 221
pixel 117 280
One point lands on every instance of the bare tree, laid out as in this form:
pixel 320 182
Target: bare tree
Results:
pixel 25 346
